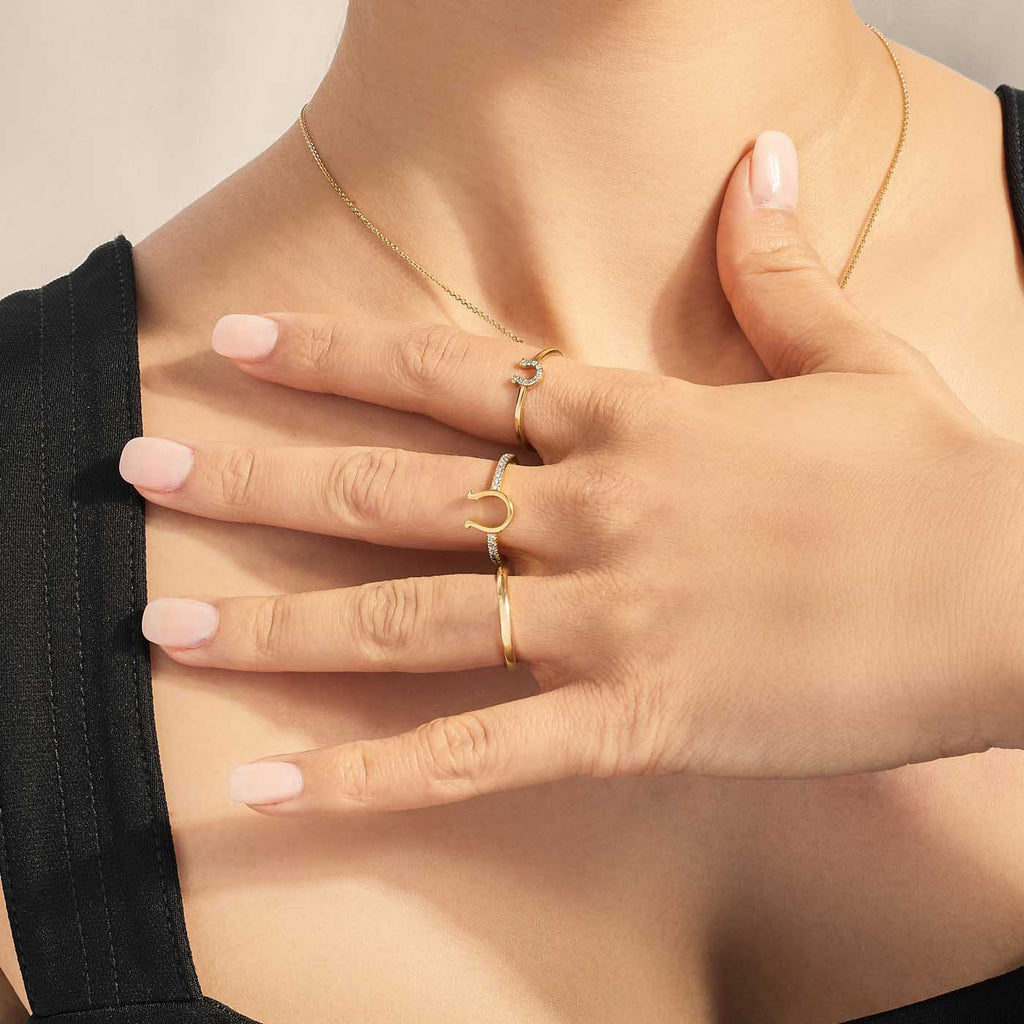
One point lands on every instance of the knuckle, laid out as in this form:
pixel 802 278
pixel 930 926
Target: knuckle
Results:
pixel 628 733
pixel 456 749
pixel 237 476
pixel 592 492
pixel 777 248
pixel 788 258
pixel 361 484
pixel 268 626
pixel 609 511
pixel 430 354
pixel 321 343
pixel 388 615
pixel 354 773
pixel 614 402
pixel 602 628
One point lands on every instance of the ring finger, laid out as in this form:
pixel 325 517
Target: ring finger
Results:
pixel 382 495
pixel 421 624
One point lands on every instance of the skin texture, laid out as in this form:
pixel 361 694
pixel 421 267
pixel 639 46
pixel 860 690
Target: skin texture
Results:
pixel 598 900
pixel 799 641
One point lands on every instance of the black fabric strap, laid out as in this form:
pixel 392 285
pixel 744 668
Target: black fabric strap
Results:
pixel 996 1001
pixel 85 846
pixel 1013 141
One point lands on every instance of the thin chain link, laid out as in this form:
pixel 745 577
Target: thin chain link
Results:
pixel 497 325
pixel 887 180
pixel 394 246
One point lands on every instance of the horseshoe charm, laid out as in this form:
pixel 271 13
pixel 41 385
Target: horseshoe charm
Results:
pixel 503 498
pixel 528 382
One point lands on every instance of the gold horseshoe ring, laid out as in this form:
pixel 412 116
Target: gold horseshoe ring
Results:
pixel 503 498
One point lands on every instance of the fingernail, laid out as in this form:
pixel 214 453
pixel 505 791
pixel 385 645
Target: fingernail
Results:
pixel 265 782
pixel 155 463
pixel 179 622
pixel 243 336
pixel 774 171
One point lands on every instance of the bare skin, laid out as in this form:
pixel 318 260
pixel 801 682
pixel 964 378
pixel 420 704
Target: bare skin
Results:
pixel 646 900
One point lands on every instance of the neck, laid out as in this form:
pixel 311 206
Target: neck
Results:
pixel 561 164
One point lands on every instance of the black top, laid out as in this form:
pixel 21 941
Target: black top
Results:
pixel 86 856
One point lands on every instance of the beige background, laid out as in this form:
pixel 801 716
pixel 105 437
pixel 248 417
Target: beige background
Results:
pixel 115 115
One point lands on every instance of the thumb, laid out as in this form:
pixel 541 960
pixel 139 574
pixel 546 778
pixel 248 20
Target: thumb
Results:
pixel 788 305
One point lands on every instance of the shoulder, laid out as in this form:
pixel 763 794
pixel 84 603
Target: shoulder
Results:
pixel 957 151
pixel 947 271
pixel 956 165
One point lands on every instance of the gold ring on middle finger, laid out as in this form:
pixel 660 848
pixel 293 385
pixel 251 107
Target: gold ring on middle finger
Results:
pixel 495 491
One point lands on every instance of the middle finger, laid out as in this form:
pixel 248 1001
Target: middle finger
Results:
pixel 383 495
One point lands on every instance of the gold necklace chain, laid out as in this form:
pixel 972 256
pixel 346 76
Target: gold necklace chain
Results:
pixel 858 249
pixel 844 278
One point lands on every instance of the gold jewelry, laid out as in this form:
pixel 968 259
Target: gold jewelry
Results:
pixel 858 249
pixel 498 326
pixel 529 382
pixel 504 498
pixel 499 473
pixel 494 492
pixel 505 618
pixel 393 245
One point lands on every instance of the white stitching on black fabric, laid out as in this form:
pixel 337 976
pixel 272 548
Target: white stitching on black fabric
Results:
pixel 135 508
pixel 1018 109
pixel 81 655
pixel 49 658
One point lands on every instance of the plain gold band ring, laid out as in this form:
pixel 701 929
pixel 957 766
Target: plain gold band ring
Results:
pixel 505 618
pixel 525 383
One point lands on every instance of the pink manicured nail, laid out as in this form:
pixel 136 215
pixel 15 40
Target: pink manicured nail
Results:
pixel 265 782
pixel 179 622
pixel 774 171
pixel 244 336
pixel 155 463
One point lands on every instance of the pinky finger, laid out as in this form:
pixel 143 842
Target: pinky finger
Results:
pixel 554 735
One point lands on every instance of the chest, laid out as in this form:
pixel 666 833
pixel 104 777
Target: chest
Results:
pixel 801 874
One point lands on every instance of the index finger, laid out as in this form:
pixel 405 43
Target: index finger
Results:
pixel 437 370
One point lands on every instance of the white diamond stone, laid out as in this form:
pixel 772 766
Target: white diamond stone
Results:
pixel 528 382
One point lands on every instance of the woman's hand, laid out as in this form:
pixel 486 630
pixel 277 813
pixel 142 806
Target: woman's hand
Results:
pixel 814 575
